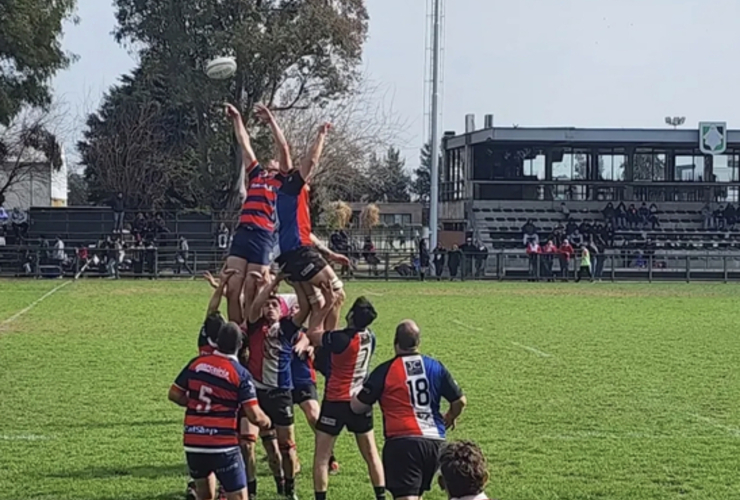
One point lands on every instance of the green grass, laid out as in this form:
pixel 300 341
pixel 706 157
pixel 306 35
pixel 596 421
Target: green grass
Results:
pixel 575 392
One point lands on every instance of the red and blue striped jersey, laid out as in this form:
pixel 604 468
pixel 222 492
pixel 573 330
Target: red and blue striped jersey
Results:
pixel 216 385
pixel 294 212
pixel 258 209
pixel 349 353
pixel 271 352
pixel 410 389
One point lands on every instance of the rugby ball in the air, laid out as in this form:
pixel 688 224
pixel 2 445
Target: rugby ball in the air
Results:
pixel 221 68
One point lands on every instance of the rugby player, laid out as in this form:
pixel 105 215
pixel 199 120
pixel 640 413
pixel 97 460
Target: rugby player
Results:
pixel 272 341
pixel 349 352
pixel 253 240
pixel 213 388
pixel 299 258
pixel 463 471
pixel 409 389
pixel 214 320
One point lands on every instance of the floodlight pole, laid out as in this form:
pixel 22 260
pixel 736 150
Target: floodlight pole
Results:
pixel 434 192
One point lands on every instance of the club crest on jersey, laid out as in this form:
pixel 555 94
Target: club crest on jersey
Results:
pixel 414 367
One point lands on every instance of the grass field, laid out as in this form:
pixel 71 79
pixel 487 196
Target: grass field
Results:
pixel 575 392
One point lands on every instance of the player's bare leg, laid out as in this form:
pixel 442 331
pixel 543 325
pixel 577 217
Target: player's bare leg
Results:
pixel 234 288
pixel 205 489
pixel 256 277
pixel 369 452
pixel 247 443
pixel 321 456
pixel 312 410
pixel 274 460
pixel 238 495
pixel 286 443
pixel 332 289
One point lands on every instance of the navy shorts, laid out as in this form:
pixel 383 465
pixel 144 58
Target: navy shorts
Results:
pixel 228 467
pixel 253 245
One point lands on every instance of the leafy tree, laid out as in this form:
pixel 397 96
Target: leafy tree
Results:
pixel 388 178
pixel 76 190
pixel 30 52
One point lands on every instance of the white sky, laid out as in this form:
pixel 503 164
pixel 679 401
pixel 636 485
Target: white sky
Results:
pixel 586 63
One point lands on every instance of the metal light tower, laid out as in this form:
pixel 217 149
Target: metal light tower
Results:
pixel 675 121
pixel 434 132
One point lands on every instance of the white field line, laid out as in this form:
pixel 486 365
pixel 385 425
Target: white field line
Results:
pixel 583 435
pixel 732 430
pixel 24 437
pixel 539 353
pixel 460 323
pixel 33 304
pixel 373 294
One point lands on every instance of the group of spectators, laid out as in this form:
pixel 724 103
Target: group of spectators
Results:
pixel 630 217
pixel 13 226
pixel 722 218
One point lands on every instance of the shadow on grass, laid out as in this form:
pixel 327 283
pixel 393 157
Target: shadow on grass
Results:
pixel 144 471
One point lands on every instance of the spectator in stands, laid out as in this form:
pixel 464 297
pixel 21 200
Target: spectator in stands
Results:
pixel 119 212
pixel 586 229
pixel 549 251
pixel 620 214
pixel 533 252
pixel 706 217
pixel 653 216
pixel 607 235
pixel 597 257
pixel 439 260
pixel 2 236
pixel 339 243
pixel 481 258
pixel 160 227
pixel 469 251
pixel 139 226
pixel 633 219
pixel 60 256
pixel 565 253
pixel 609 213
pixel 529 232
pixel 576 238
pixel 370 255
pixel 3 216
pixel 424 259
pixel 558 234
pixel 183 255
pixel 223 236
pixel 19 220
pixel 453 261
pixel 565 211
pixel 585 267
pixel 730 216
pixel 463 471
pixel 570 228
pixel 643 215
pixel 719 218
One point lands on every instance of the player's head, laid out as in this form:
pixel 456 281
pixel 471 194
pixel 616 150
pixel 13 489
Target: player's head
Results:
pixel 273 166
pixel 213 325
pixel 408 337
pixel 463 469
pixel 229 338
pixel 271 311
pixel 361 314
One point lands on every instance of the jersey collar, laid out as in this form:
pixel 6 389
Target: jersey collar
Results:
pixel 482 496
pixel 228 356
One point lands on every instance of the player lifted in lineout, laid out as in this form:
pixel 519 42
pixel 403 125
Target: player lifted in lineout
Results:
pixel 253 240
pixel 300 251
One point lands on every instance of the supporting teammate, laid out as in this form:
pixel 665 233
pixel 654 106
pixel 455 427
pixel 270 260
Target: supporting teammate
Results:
pixel 272 341
pixel 299 258
pixel 253 240
pixel 213 388
pixel 349 352
pixel 214 320
pixel 463 471
pixel 409 389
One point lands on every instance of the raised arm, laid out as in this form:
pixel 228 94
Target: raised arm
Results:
pixel 215 302
pixel 304 306
pixel 311 160
pixel 242 137
pixel 286 162
pixel 337 258
pixel 255 310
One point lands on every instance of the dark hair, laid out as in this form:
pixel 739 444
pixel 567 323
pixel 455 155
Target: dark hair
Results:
pixel 463 468
pixel 408 336
pixel 363 313
pixel 229 338
pixel 213 325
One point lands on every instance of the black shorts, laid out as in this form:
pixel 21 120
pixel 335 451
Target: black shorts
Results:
pixel 228 467
pixel 410 465
pixel 336 415
pixel 305 393
pixel 278 405
pixel 253 245
pixel 302 264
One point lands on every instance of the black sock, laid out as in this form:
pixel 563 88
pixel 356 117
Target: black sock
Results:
pixel 280 484
pixel 332 459
pixel 252 487
pixel 289 486
pixel 320 495
pixel 380 492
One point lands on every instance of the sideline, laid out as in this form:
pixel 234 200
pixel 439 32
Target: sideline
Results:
pixel 33 304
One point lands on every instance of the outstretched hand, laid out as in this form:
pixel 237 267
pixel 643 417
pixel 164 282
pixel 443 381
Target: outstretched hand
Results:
pixel 340 259
pixel 231 112
pixel 263 113
pixel 325 128
pixel 210 279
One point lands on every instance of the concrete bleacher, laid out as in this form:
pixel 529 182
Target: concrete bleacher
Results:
pixel 499 224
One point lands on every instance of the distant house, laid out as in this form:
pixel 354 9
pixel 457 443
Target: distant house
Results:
pixel 36 182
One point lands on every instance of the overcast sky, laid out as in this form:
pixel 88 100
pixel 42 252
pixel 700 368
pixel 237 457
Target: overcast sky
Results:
pixel 585 63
